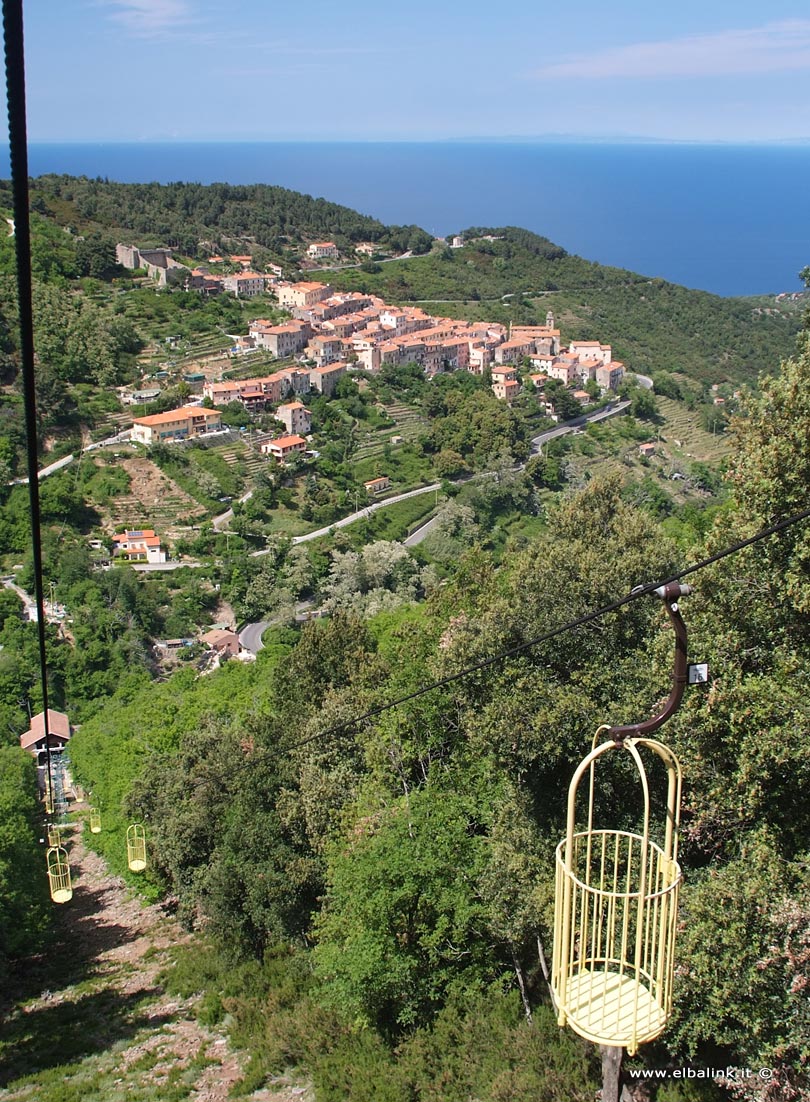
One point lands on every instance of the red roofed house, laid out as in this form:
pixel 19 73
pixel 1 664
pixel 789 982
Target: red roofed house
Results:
pixel 507 390
pixel 325 379
pixel 295 379
pixel 58 733
pixel 303 294
pixel 505 383
pixel 591 350
pixel 284 446
pixel 325 348
pixel 244 284
pixel 250 392
pixel 138 545
pixel 610 375
pixel 377 485
pixel 282 340
pixel 175 423
pixel 512 352
pixel 226 643
pixel 564 368
pixel 295 417
pixel 320 250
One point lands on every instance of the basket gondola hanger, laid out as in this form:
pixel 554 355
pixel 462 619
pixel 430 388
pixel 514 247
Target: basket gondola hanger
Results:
pixel 617 892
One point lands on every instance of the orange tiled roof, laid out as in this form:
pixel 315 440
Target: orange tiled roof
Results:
pixel 130 533
pixel 287 441
pixel 185 413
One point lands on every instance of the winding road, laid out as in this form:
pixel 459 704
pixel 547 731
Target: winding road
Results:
pixel 352 517
pixel 251 634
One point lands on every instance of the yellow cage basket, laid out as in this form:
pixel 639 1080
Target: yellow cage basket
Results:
pixel 59 875
pixel 95 820
pixel 54 836
pixel 615 914
pixel 136 847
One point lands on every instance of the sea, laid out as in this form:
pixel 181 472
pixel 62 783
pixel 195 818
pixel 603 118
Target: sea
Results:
pixel 730 219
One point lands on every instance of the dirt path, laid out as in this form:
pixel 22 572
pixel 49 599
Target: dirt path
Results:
pixel 91 1018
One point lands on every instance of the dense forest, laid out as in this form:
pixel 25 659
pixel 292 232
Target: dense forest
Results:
pixel 193 217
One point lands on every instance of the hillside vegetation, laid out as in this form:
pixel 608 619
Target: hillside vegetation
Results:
pixel 392 879
pixel 189 216
pixel 376 893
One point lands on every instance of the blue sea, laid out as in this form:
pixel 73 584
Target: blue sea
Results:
pixel 734 220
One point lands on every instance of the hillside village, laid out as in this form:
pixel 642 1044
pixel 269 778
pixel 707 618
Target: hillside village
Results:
pixel 296 427
pixel 329 334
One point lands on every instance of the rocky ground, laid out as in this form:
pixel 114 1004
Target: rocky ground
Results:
pixel 90 1020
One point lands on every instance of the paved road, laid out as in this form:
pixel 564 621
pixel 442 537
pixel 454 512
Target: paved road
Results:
pixel 422 532
pixel 225 518
pixel 26 598
pixel 578 422
pixel 644 381
pixel 66 460
pixel 342 267
pixel 537 443
pixel 352 517
pixel 159 567
pixel 250 636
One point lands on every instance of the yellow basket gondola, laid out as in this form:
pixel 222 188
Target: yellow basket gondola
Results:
pixel 59 875
pixel 615 914
pixel 136 847
pixel 54 836
pixel 95 820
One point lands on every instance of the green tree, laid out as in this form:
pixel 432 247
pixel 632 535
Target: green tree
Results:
pixel 23 883
pixel 397 931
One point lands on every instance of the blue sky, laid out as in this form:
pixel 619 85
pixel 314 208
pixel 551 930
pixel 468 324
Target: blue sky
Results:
pixel 426 69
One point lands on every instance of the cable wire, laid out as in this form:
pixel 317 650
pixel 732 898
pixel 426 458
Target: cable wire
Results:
pixel 18 149
pixel 587 618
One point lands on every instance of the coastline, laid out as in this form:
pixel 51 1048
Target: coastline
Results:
pixel 742 231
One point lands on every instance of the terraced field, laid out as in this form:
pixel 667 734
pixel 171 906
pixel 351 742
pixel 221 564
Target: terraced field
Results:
pixel 685 437
pixel 409 424
pixel 238 452
pixel 155 500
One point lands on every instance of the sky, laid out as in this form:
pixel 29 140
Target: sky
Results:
pixel 243 70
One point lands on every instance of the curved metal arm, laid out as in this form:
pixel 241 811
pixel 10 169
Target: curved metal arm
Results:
pixel 669 594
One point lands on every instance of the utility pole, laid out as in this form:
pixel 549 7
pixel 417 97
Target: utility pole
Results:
pixel 611 1072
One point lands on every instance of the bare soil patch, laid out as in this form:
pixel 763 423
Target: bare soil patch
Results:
pixel 155 500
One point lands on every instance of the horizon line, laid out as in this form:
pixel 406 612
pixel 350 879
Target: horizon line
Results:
pixel 516 139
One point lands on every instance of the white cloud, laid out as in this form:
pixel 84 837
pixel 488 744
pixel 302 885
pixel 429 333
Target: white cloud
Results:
pixel 772 48
pixel 150 17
